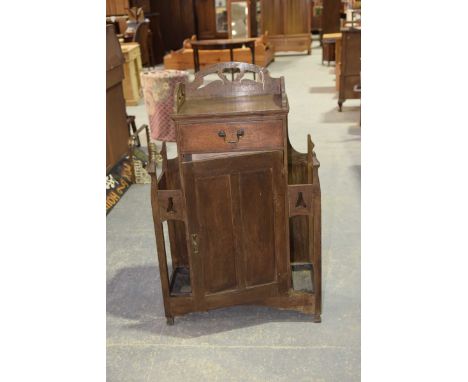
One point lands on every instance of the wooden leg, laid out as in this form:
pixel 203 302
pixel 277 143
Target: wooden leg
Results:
pixel 196 62
pixel 252 51
pixel 231 53
pixel 170 321
pixel 317 318
pixel 340 105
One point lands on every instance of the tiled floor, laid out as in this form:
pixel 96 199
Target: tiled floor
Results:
pixel 248 343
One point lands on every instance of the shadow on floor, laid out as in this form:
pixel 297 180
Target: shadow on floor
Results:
pixel 354 130
pixel 356 169
pixel 349 114
pixel 322 89
pixel 135 293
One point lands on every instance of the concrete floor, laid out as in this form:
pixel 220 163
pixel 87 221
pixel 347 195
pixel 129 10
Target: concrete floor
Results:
pixel 248 343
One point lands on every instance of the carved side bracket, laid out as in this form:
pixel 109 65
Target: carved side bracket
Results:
pixel 171 205
pixel 300 198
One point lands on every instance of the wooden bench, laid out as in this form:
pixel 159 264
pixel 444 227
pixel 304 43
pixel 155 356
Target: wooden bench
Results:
pixel 182 59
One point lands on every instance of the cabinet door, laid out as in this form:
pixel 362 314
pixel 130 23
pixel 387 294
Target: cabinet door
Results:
pixel 272 13
pixel 236 211
pixel 297 17
pixel 206 19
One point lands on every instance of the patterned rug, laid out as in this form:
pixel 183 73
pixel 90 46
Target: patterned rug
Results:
pixel 120 178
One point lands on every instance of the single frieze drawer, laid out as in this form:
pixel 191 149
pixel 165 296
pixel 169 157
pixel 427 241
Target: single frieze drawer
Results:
pixel 221 137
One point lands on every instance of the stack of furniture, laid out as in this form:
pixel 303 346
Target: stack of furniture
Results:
pixel 349 67
pixel 242 207
pixel 117 13
pixel 183 58
pixel 288 23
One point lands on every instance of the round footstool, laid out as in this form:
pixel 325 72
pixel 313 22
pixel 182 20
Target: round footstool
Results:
pixel 158 91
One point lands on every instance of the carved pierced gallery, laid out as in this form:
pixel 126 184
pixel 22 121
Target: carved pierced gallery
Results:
pixel 233 190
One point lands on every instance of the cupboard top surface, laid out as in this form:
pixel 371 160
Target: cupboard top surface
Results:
pixel 232 105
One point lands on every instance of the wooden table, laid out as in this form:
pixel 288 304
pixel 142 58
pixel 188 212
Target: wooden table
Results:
pixel 230 44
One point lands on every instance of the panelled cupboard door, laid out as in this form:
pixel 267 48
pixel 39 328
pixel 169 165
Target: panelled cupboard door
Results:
pixel 272 13
pixel 206 17
pixel 297 16
pixel 236 226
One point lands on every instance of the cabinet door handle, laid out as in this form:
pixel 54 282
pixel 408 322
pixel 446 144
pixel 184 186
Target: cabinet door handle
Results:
pixel 240 133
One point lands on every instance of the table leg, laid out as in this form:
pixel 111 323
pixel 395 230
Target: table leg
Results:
pixel 231 53
pixel 196 62
pixel 252 50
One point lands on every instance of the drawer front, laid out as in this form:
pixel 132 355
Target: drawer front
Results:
pixel 222 137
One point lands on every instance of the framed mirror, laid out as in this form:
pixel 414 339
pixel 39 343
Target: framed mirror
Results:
pixel 221 16
pixel 239 18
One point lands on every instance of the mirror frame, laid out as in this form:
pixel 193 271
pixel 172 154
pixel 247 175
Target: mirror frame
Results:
pixel 229 3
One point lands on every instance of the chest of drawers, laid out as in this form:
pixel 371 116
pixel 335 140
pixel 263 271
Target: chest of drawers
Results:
pixel 350 66
pixel 241 206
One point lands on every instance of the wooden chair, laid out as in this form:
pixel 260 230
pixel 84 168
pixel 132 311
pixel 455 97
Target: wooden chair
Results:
pixel 142 37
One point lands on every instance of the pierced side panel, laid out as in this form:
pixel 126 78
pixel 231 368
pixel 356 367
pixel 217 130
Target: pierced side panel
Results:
pixel 171 205
pixel 301 198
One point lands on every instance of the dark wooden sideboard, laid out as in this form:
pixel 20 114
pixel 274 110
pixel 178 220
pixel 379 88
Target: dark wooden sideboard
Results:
pixel 242 207
pixel 349 67
pixel 117 132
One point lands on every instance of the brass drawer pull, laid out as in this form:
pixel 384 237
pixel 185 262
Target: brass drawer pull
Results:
pixel 240 133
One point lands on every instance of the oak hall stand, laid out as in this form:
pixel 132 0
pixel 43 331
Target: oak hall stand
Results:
pixel 242 207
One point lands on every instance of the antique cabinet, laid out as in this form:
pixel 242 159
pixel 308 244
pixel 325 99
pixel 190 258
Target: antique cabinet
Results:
pixel 117 132
pixel 331 16
pixel 288 24
pixel 241 207
pixel 349 66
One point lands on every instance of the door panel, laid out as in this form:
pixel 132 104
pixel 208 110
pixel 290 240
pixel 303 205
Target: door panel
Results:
pixel 258 229
pixel 272 17
pixel 206 19
pixel 236 207
pixel 214 210
pixel 297 17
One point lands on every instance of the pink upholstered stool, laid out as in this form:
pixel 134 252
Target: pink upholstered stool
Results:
pixel 158 91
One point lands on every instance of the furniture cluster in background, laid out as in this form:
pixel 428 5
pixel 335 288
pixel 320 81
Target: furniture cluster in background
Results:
pixel 286 22
pixel 341 43
pixel 194 34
